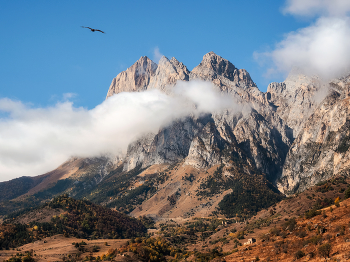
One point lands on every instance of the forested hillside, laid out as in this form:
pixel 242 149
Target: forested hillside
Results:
pixel 78 218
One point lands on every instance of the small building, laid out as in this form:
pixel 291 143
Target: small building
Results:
pixel 250 241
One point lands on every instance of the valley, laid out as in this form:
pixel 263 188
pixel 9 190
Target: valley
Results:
pixel 294 228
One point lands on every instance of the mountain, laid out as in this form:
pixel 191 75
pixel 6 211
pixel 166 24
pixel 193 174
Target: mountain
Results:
pixel 320 151
pixel 173 143
pixel 233 162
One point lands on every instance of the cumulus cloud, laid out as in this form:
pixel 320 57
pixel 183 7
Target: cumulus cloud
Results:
pixel 321 49
pixel 37 140
pixel 317 7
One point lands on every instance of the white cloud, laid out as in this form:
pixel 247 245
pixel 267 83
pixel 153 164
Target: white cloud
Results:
pixel 317 7
pixel 67 96
pixel 322 49
pixel 157 55
pixel 37 140
pixel 203 96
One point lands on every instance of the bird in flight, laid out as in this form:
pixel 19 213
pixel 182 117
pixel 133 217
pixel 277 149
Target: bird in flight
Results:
pixel 93 30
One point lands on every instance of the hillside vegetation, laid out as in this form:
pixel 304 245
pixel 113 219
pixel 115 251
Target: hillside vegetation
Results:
pixel 78 218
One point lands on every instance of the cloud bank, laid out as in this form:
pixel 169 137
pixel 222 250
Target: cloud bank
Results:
pixel 322 49
pixel 37 140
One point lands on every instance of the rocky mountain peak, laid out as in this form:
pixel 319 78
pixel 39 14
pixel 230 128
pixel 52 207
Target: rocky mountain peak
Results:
pixel 287 136
pixel 163 60
pixel 215 67
pixel 168 72
pixel 135 78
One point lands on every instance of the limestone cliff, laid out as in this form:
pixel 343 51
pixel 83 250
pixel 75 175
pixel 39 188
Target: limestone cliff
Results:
pixel 320 151
pixel 135 78
pixel 296 98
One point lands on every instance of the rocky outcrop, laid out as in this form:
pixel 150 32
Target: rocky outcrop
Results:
pixel 135 78
pixel 320 151
pixel 277 132
pixel 252 124
pixel 168 73
pixel 216 69
pixel 223 74
pixel 259 130
pixel 296 98
pixel 206 148
pixel 170 145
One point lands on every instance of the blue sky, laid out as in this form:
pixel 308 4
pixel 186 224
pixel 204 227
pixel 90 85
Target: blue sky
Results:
pixel 44 53
pixel 54 75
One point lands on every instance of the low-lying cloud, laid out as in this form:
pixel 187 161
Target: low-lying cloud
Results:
pixel 37 140
pixel 321 49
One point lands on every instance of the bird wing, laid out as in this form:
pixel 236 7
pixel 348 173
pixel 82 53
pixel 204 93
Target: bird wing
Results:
pixel 93 29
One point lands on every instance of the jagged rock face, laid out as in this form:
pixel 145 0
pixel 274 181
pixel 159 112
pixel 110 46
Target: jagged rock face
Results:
pixel 206 147
pixel 262 142
pixel 263 135
pixel 145 74
pixel 214 67
pixel 260 132
pixel 296 98
pixel 137 152
pixel 223 74
pixel 135 78
pixel 170 145
pixel 167 73
pixel 287 132
pixel 320 151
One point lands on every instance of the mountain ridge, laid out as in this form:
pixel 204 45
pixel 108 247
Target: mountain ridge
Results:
pixel 262 138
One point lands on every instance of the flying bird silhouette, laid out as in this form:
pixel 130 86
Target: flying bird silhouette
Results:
pixel 93 30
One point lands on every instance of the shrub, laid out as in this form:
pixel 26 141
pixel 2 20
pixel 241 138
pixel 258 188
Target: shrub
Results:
pixel 28 259
pixel 311 254
pixel 347 193
pixel 324 214
pixel 240 235
pixel 290 224
pixel 275 231
pixel 336 202
pixel 299 254
pixel 325 250
pixel 311 213
pixel 315 239
pixel 302 234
